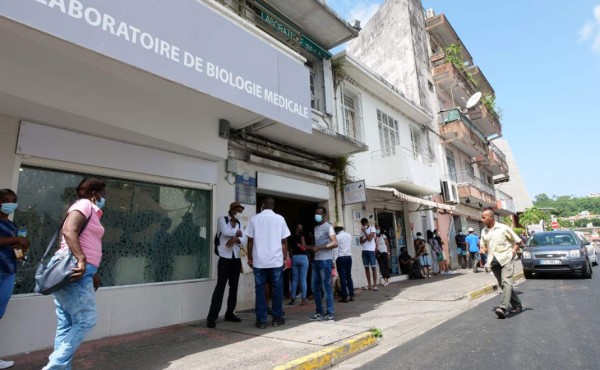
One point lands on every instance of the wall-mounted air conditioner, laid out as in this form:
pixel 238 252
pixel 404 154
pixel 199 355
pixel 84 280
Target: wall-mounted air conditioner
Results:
pixel 450 192
pixel 429 13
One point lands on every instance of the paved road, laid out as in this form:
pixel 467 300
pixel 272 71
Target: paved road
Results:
pixel 557 330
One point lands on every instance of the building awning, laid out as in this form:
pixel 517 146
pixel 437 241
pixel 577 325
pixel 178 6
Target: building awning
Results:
pixel 395 194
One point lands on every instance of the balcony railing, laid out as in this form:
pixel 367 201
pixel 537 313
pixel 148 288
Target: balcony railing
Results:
pixel 398 149
pixel 455 115
pixel 466 177
pixel 267 19
pixel 498 152
pixel 507 200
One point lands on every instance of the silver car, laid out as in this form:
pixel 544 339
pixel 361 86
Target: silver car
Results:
pixel 591 249
pixel 556 252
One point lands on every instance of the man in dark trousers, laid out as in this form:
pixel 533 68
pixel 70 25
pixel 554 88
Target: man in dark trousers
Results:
pixel 229 266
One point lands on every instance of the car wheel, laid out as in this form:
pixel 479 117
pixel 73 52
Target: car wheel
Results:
pixel 528 274
pixel 586 271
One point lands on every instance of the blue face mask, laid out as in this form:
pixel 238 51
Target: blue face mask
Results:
pixel 8 208
pixel 378 232
pixel 318 218
pixel 100 203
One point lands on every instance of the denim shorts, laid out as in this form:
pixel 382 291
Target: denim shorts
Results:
pixel 369 259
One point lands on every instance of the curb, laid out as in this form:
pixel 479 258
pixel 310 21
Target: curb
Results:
pixel 332 355
pixel 490 288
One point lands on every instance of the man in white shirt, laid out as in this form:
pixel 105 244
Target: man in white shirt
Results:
pixel 501 244
pixel 229 266
pixel 367 240
pixel 344 263
pixel 267 249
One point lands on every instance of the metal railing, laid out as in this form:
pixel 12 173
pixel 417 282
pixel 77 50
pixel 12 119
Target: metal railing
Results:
pixel 508 200
pixel 498 152
pixel 455 115
pixel 466 177
pixel 400 150
pixel 267 19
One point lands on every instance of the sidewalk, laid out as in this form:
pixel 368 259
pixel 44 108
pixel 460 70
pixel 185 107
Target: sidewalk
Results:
pixel 402 310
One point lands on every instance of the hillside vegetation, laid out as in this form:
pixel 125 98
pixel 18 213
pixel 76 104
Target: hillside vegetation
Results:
pixel 566 205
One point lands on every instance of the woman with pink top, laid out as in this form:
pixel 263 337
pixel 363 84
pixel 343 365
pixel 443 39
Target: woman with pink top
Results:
pixel 76 302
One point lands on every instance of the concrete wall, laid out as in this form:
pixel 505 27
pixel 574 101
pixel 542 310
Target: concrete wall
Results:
pixel 394 44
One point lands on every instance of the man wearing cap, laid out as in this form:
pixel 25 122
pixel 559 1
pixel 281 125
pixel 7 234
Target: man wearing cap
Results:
pixel 344 263
pixel 473 242
pixel 229 265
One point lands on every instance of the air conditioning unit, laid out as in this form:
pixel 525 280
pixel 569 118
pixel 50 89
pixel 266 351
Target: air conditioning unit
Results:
pixel 450 192
pixel 429 13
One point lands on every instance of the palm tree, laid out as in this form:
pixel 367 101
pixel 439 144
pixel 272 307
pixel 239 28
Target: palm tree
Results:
pixel 532 216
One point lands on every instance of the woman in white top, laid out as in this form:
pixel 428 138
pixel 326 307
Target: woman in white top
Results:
pixel 383 255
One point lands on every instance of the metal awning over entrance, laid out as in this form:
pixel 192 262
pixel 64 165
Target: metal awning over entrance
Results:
pixel 387 194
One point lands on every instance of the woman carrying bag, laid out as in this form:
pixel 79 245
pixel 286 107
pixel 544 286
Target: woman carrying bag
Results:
pixel 76 302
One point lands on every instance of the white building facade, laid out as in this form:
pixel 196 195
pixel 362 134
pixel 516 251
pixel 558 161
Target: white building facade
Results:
pixel 178 122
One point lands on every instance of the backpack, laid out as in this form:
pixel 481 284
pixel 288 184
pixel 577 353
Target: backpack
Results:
pixel 217 241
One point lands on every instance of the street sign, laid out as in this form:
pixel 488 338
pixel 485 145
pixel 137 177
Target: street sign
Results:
pixel 554 225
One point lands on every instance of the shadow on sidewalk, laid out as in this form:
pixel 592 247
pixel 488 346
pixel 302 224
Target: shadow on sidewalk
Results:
pixel 160 348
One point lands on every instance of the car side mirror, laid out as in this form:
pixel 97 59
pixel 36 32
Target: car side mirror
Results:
pixel 585 243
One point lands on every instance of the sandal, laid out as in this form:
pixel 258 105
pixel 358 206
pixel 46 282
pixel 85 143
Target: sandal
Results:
pixel 375 288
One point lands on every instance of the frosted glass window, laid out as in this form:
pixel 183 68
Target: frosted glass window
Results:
pixel 154 232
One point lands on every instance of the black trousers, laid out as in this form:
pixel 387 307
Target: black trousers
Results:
pixel 227 269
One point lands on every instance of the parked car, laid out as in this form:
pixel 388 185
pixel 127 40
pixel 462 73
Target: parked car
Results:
pixel 591 248
pixel 555 252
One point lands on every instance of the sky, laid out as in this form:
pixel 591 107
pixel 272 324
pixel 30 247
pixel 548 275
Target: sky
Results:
pixel 543 60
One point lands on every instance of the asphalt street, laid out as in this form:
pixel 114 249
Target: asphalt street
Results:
pixel 558 329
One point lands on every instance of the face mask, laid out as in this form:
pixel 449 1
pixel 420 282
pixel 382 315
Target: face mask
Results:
pixel 318 218
pixel 378 232
pixel 8 208
pixel 100 203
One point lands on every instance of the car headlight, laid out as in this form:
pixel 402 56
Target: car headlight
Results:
pixel 526 254
pixel 575 253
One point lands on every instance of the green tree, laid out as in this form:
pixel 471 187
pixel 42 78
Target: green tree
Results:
pixel 533 216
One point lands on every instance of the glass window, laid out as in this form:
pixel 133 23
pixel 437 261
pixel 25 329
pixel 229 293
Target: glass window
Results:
pixel 351 114
pixel 416 141
pixel 389 136
pixel 153 232
pixel 451 165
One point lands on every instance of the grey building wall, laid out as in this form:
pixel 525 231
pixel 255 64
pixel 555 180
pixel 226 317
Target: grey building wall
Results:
pixel 515 187
pixel 394 44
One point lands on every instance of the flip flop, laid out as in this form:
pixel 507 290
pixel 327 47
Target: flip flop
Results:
pixel 375 288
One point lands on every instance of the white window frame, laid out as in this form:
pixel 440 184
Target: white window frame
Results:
pixel 389 133
pixel 352 122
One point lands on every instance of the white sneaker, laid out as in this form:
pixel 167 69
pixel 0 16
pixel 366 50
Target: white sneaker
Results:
pixel 6 364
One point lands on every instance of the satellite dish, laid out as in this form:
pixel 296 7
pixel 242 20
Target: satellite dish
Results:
pixel 473 100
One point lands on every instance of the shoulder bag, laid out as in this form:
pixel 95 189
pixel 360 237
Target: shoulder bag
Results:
pixel 56 274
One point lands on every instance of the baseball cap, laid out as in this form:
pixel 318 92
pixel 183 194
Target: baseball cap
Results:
pixel 236 205
pixel 471 229
pixel 339 224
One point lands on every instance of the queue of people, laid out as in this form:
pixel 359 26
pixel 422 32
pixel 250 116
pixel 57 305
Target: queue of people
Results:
pixel 268 242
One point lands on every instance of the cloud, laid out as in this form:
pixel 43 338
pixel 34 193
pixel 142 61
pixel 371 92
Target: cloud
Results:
pixel 363 12
pixel 350 10
pixel 590 31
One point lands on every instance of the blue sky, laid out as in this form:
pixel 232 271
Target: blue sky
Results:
pixel 543 60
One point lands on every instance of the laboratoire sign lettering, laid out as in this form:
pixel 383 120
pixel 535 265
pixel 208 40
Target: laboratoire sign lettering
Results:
pixel 305 42
pixel 212 54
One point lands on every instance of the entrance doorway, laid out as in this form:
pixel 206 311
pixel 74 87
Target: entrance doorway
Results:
pixel 392 224
pixel 294 211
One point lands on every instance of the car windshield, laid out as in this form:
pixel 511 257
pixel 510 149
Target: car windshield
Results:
pixel 551 239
